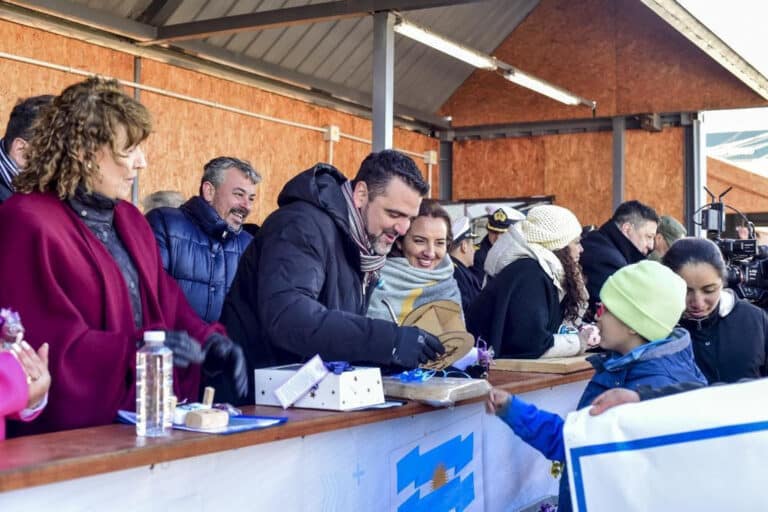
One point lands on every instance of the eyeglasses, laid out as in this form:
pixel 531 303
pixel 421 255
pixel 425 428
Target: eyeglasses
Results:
pixel 601 309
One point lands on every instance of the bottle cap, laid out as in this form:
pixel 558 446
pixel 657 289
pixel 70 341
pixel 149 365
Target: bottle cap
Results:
pixel 154 336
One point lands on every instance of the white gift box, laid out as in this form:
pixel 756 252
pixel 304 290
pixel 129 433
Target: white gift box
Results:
pixel 359 387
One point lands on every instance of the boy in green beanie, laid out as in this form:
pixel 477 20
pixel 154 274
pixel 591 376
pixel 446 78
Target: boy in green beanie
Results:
pixel 640 306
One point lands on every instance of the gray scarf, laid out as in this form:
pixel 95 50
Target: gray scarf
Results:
pixel 406 288
pixel 370 262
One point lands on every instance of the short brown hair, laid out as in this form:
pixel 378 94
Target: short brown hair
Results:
pixel 68 134
pixel 432 208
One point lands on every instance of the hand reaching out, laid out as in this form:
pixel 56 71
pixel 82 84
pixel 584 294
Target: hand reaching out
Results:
pixel 612 398
pixel 497 400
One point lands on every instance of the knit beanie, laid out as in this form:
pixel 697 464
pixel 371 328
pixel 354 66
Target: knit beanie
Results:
pixel 647 296
pixel 552 227
pixel 670 229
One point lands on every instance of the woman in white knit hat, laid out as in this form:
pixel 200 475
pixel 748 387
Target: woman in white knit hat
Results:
pixel 535 297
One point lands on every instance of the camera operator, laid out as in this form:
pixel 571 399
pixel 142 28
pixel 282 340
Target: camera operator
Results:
pixel 730 335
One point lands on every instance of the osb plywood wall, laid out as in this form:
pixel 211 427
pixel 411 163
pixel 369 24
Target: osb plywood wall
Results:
pixel 24 80
pixel 576 168
pixel 750 191
pixel 498 168
pixel 617 52
pixel 186 135
pixel 654 170
pixel 578 171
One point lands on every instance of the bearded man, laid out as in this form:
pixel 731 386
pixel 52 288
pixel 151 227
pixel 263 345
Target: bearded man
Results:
pixel 201 241
pixel 303 285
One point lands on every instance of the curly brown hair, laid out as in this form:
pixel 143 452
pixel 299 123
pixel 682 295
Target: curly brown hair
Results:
pixel 68 134
pixel 576 296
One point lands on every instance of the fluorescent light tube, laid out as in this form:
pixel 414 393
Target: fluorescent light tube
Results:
pixel 440 43
pixel 542 87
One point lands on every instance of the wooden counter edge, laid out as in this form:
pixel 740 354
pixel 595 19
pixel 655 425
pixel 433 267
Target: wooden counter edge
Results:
pixel 127 451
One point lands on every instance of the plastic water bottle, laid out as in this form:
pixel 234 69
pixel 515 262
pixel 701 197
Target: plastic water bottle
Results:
pixel 154 386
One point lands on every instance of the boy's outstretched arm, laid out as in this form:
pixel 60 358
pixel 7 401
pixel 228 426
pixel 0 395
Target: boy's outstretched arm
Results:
pixel 540 429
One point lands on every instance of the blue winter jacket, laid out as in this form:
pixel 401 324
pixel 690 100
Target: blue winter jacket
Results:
pixel 201 251
pixel 655 364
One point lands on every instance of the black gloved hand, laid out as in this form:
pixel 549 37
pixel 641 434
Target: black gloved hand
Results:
pixel 185 349
pixel 414 346
pixel 222 354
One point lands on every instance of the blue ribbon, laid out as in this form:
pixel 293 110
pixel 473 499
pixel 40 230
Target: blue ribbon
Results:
pixel 338 367
pixel 421 375
pixel 417 375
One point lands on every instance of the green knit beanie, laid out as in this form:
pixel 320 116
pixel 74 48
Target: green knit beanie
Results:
pixel 647 296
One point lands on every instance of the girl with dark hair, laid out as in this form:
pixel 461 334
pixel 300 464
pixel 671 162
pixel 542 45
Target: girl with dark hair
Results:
pixel 533 305
pixel 730 335
pixel 419 270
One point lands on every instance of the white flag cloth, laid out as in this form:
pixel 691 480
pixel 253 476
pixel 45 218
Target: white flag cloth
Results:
pixel 703 450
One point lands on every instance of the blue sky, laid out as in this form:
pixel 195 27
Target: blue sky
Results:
pixel 743 25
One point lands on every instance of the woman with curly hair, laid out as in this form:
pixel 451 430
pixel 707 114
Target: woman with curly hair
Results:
pixel 535 298
pixel 85 272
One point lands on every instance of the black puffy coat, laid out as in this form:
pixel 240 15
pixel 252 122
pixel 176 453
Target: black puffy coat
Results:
pixel 731 343
pixel 606 250
pixel 518 312
pixel 298 291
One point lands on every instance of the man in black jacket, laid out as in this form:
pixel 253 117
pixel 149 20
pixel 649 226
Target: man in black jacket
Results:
pixel 625 239
pixel 303 285
pixel 14 143
pixel 463 255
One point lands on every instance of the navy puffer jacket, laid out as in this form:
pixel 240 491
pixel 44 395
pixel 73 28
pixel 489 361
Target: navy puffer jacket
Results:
pixel 200 251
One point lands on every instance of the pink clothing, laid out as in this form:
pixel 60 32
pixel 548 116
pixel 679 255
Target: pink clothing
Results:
pixel 70 293
pixel 14 391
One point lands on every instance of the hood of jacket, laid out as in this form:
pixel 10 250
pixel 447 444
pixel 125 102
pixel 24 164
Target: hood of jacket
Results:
pixel 208 219
pixel 678 341
pixel 321 187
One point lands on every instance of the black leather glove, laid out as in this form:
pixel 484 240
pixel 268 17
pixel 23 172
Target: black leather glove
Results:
pixel 414 346
pixel 224 355
pixel 185 349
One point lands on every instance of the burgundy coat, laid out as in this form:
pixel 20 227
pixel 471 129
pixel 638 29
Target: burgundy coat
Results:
pixel 71 293
pixel 14 391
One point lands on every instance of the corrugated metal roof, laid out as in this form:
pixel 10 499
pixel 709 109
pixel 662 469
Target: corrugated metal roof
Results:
pixel 339 53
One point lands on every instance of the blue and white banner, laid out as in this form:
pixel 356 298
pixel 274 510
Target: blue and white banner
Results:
pixel 440 472
pixel 703 450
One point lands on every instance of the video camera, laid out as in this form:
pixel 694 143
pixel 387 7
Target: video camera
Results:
pixel 746 262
